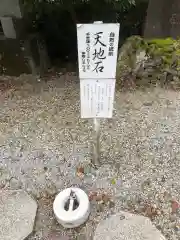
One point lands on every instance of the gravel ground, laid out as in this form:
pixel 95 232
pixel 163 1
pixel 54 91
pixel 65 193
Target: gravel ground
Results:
pixel 45 146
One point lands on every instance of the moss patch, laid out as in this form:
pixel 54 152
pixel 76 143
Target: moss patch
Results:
pixel 143 62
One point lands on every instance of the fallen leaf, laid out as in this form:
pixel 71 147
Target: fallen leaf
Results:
pixel 98 198
pixel 113 181
pixel 80 169
pixel 80 172
pixel 152 211
pixel 175 206
pixel 102 198
pixel 92 195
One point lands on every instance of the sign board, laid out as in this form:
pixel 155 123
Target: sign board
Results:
pixel 97 97
pixel 97 50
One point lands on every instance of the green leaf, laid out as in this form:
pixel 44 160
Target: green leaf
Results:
pixel 113 181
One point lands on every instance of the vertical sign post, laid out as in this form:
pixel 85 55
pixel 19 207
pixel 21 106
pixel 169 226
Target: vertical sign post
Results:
pixel 97 57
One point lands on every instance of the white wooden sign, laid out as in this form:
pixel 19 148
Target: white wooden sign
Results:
pixel 97 50
pixel 97 97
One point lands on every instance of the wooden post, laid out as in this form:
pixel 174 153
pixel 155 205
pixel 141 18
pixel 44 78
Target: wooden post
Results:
pixel 97 124
pixel 96 160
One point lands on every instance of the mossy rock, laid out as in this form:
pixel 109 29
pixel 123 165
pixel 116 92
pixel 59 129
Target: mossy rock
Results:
pixel 143 62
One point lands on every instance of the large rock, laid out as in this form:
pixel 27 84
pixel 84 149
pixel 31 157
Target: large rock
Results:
pixel 17 215
pixel 127 226
pixel 142 62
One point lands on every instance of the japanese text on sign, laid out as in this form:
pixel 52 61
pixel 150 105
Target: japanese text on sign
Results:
pixel 98 54
pixel 97 50
pixel 97 98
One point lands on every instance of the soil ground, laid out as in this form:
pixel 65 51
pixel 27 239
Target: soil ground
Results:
pixel 45 147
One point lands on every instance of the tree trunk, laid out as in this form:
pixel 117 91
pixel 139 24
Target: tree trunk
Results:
pixel 175 19
pixel 158 19
pixel 29 58
pixel 43 55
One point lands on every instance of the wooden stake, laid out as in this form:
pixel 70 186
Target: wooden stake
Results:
pixel 96 159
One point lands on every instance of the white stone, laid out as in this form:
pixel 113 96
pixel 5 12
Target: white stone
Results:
pixel 127 226
pixel 17 214
pixel 71 218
